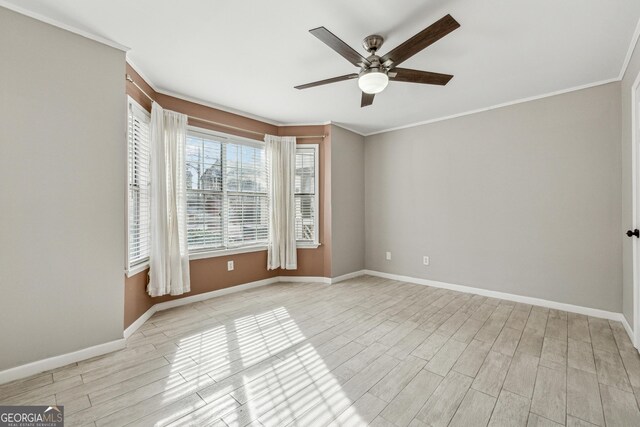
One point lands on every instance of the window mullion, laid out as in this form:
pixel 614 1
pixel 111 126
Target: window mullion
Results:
pixel 225 199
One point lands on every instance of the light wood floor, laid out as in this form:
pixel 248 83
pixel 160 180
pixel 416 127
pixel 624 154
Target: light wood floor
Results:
pixel 365 351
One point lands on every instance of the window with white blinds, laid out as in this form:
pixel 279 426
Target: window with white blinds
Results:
pixel 227 204
pixel 306 194
pixel 138 179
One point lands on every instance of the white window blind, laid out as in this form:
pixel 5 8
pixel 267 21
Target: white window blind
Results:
pixel 139 192
pixel 306 194
pixel 227 205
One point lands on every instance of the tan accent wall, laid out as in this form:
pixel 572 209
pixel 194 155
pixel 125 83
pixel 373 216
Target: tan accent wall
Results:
pixel 211 274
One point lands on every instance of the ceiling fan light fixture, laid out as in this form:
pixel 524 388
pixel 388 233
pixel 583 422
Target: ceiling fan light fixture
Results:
pixel 373 81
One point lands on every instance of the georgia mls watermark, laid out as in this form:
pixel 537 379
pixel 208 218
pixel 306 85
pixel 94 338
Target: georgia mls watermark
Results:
pixel 31 416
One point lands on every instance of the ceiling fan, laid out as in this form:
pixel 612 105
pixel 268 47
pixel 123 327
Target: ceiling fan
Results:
pixel 376 71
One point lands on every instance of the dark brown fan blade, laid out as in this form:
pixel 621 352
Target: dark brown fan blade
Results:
pixel 367 99
pixel 327 81
pixel 424 38
pixel 417 76
pixel 339 46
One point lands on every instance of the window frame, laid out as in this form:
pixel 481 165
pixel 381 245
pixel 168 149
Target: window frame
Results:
pixel 213 253
pixel 304 244
pixel 132 269
pixel 225 139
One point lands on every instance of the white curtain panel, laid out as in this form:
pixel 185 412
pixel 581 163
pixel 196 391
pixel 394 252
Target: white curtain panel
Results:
pixel 281 158
pixel 169 255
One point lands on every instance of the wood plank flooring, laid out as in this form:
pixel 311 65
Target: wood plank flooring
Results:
pixel 367 351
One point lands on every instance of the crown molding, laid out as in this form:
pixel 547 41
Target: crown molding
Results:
pixel 141 73
pixel 495 107
pixel 217 107
pixel 326 122
pixel 66 27
pixel 632 47
pixel 347 128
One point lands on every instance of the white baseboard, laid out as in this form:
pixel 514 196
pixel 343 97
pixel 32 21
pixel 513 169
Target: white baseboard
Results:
pixel 139 322
pixel 54 362
pixel 594 312
pixel 325 280
pixel 627 328
pixel 347 276
pixel 217 293
pixel 304 279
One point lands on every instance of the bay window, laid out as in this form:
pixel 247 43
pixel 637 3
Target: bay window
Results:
pixel 227 197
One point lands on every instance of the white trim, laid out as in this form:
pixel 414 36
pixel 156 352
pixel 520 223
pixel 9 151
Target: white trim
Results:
pixel 347 276
pixel 54 362
pixel 494 107
pixel 217 293
pixel 627 328
pixel 217 106
pixel 139 268
pixel 128 269
pixel 634 206
pixel 222 108
pixel 316 195
pixel 594 312
pixel 126 191
pixel 347 128
pixel 225 252
pixel 132 328
pixel 242 250
pixel 326 122
pixel 308 245
pixel 632 47
pixel 305 279
pixel 66 27
pixel 144 77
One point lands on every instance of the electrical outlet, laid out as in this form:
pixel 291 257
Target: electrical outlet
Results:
pixel 388 256
pixel 425 260
pixel 229 265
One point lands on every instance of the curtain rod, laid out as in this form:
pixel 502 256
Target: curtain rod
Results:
pixel 129 79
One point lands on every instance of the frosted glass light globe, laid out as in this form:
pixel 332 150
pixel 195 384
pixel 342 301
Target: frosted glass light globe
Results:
pixel 373 82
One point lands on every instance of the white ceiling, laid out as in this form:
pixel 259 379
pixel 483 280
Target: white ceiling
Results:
pixel 247 55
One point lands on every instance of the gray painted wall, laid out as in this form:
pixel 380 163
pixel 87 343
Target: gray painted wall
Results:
pixel 347 201
pixel 627 195
pixel 523 199
pixel 62 186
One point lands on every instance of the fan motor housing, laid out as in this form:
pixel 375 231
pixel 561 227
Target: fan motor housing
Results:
pixel 372 43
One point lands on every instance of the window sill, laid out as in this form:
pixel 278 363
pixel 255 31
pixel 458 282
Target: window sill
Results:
pixel 243 250
pixel 308 245
pixel 213 254
pixel 225 252
pixel 137 269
